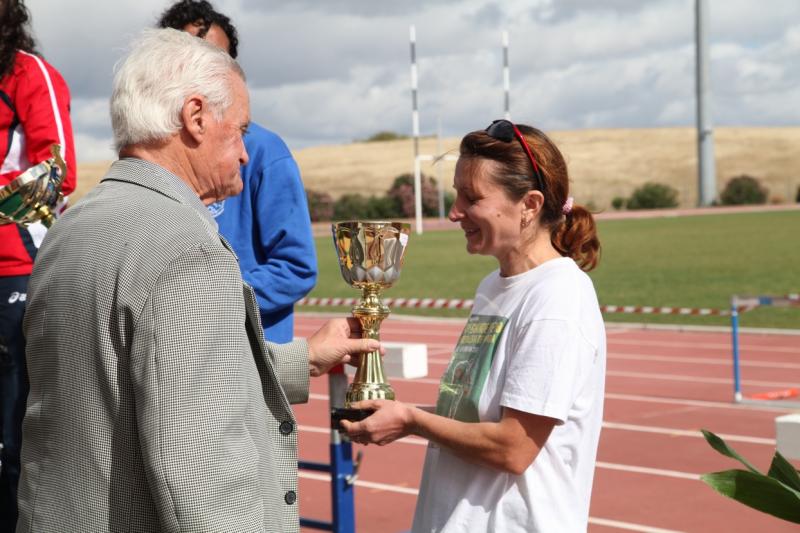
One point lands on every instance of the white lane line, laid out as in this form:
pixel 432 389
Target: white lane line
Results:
pixel 313 429
pixel 695 403
pixel 653 376
pixel 600 464
pixel 415 492
pixel 685 433
pixel 726 362
pixel 630 526
pixel 648 471
pixel 362 483
pixel 743 346
pixel 700 360
pixel 405 440
pixel 745 343
pixel 695 379
pixel 670 401
pixel 672 432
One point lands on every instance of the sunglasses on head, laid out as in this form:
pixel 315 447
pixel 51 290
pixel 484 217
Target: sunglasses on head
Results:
pixel 507 131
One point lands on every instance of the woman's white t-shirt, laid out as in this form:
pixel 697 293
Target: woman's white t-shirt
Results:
pixel 535 342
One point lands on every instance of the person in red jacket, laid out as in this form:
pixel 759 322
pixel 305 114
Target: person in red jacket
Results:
pixel 34 114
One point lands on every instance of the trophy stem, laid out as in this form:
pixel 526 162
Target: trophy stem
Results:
pixel 370 380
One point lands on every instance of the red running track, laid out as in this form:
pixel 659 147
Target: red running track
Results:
pixel 662 386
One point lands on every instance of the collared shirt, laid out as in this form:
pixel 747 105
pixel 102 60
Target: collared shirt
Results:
pixel 140 171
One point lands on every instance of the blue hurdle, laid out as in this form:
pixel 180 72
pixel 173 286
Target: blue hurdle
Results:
pixel 342 469
pixel 740 304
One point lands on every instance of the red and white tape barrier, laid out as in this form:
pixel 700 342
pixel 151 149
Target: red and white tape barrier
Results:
pixel 455 303
pixel 417 303
pixel 648 310
pixel 442 303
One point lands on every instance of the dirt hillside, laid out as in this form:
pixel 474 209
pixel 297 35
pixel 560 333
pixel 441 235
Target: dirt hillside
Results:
pixel 602 163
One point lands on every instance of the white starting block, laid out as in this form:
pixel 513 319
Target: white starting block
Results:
pixel 787 435
pixel 406 360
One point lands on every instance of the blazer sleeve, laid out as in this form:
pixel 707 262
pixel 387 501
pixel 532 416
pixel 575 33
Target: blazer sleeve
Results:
pixel 291 366
pixel 194 379
pixel 289 361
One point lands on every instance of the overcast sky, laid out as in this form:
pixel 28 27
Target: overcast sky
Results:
pixel 331 71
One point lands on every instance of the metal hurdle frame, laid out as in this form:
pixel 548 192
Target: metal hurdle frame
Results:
pixel 740 304
pixel 342 468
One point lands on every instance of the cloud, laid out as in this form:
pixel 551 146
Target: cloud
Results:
pixel 334 71
pixel 90 148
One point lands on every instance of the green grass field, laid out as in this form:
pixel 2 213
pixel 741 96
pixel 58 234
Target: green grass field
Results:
pixel 694 261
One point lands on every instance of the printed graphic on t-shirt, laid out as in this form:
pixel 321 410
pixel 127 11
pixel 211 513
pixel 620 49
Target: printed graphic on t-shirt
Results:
pixel 462 384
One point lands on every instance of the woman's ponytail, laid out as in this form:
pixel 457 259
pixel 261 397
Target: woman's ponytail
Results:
pixel 576 237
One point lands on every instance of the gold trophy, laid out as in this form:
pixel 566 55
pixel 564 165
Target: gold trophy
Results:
pixel 370 257
pixel 32 196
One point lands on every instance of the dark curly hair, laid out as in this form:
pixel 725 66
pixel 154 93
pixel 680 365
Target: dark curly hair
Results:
pixel 14 33
pixel 188 12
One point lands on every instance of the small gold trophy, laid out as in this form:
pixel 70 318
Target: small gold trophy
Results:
pixel 370 257
pixel 32 196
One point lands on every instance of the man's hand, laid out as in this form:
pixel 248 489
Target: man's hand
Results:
pixel 391 421
pixel 334 342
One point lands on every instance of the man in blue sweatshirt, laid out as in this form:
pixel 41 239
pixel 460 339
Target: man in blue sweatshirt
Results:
pixel 268 224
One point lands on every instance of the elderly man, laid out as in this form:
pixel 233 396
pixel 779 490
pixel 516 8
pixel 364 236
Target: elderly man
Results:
pixel 268 225
pixel 155 403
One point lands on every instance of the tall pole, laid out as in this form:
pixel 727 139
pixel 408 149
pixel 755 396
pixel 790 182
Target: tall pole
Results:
pixel 439 155
pixel 415 132
pixel 506 78
pixel 707 180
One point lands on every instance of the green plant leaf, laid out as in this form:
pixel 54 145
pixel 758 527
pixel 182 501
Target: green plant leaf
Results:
pixel 722 447
pixel 783 471
pixel 758 491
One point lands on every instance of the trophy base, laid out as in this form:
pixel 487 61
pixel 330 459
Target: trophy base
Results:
pixel 344 413
pixel 358 392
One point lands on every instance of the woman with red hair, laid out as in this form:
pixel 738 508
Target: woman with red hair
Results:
pixel 513 436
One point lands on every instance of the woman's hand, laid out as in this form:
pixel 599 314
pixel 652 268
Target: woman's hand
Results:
pixel 391 421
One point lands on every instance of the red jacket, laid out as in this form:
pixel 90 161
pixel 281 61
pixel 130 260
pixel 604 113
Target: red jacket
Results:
pixel 34 114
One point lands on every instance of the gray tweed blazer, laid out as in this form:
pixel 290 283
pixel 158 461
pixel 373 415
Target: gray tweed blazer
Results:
pixel 155 403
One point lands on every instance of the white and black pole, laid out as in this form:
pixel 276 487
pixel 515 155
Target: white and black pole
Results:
pixel 415 132
pixel 707 179
pixel 439 155
pixel 506 79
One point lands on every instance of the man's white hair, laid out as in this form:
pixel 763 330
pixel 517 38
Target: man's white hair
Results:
pixel 152 82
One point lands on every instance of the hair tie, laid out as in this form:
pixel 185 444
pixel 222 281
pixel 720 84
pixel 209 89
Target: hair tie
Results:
pixel 568 205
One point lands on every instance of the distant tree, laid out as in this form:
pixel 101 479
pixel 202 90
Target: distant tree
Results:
pixel 449 200
pixel 653 196
pixel 743 190
pixel 403 191
pixel 383 207
pixel 320 205
pixel 385 136
pixel 619 202
pixel 359 207
pixel 350 207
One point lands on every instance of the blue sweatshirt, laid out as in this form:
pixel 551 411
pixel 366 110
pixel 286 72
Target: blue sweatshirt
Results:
pixel 269 228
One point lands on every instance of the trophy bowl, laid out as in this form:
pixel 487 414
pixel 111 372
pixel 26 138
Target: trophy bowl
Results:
pixel 32 196
pixel 370 254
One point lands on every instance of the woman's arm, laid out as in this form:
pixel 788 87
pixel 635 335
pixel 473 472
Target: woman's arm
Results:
pixel 510 445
